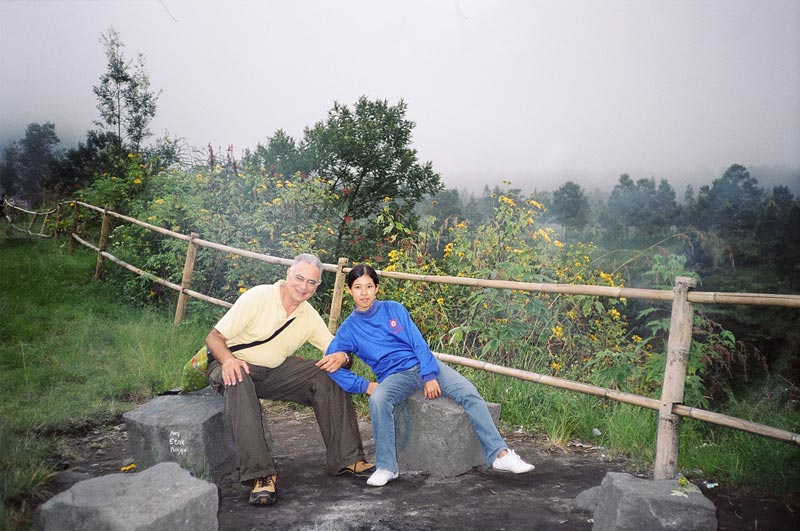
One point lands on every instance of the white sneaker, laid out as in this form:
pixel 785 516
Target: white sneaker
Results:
pixel 381 477
pixel 511 462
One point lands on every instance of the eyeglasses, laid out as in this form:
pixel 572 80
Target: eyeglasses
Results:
pixel 310 282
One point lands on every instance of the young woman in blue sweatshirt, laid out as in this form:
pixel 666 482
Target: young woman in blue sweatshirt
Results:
pixel 383 335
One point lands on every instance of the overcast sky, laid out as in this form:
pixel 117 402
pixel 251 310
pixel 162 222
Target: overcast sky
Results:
pixel 535 92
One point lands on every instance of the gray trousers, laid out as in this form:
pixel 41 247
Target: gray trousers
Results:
pixel 295 380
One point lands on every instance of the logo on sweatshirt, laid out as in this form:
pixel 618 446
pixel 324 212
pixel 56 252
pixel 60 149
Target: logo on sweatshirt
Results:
pixel 395 326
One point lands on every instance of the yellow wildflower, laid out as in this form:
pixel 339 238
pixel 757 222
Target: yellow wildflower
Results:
pixel 507 200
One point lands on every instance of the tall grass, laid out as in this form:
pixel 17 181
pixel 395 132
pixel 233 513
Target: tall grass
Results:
pixel 71 355
pixel 707 452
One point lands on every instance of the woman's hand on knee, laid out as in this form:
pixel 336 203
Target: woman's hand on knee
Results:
pixel 432 390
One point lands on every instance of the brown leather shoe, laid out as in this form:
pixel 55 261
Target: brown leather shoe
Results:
pixel 359 469
pixel 264 491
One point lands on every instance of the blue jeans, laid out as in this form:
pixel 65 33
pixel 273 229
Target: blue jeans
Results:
pixel 399 386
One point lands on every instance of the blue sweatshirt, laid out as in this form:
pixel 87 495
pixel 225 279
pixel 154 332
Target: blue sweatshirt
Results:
pixel 387 340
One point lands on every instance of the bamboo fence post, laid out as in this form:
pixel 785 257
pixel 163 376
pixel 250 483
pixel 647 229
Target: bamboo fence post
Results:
pixel 104 230
pixel 44 222
pixel 33 221
pixel 71 242
pixel 59 215
pixel 186 280
pixel 338 295
pixel 680 340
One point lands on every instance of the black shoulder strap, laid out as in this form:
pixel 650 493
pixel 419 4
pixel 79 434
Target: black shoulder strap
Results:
pixel 256 343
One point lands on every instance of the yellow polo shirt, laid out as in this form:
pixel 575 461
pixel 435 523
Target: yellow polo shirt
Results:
pixel 255 316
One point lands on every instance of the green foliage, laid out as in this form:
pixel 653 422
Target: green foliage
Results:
pixel 530 330
pixel 259 212
pixel 256 206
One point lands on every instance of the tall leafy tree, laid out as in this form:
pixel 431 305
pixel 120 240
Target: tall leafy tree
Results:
pixel 9 169
pixel 280 157
pixel 125 100
pixel 617 215
pixel 37 156
pixel 570 207
pixel 735 200
pixel 778 229
pixel 365 154
pixel 667 211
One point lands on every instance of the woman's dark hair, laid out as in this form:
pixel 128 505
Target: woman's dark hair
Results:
pixel 359 271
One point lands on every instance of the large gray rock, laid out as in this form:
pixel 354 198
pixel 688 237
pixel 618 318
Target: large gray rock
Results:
pixel 626 503
pixel 188 429
pixel 164 496
pixel 436 436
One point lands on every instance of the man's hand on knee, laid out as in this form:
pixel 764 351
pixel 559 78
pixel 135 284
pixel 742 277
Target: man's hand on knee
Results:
pixel 233 369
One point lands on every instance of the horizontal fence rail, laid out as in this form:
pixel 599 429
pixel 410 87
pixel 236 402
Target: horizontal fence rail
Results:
pixel 40 217
pixel 670 406
pixel 626 398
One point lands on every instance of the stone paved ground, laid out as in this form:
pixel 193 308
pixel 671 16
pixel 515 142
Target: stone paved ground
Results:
pixel 480 499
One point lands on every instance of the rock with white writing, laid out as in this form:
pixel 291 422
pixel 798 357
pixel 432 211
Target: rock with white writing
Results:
pixel 188 429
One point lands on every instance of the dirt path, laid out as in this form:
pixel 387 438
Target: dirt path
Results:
pixel 480 499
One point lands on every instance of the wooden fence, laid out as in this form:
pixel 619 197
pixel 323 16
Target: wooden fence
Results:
pixel 38 219
pixel 670 407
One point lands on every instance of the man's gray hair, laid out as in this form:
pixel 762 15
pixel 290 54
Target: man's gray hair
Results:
pixel 307 258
